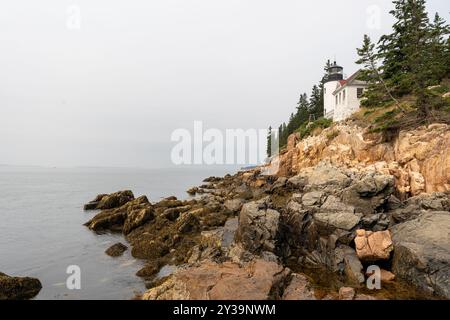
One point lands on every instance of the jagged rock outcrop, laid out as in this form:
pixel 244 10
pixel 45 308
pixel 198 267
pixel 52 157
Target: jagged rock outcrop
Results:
pixel 110 201
pixel 258 227
pixel 18 288
pixel 327 216
pixel 422 252
pixel 125 218
pixel 414 206
pixel 256 280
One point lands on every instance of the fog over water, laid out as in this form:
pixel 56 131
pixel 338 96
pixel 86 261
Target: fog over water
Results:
pixel 42 232
pixel 104 83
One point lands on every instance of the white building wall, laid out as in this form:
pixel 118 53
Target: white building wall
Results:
pixel 351 103
pixel 328 97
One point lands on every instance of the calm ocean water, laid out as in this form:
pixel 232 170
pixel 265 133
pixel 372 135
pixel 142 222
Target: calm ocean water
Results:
pixel 42 232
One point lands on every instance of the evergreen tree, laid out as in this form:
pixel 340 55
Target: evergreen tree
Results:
pixel 316 102
pixel 327 67
pixel 280 133
pixel 377 87
pixel 407 53
pixel 269 142
pixel 447 56
pixel 291 126
pixel 440 61
pixel 303 109
pixel 403 50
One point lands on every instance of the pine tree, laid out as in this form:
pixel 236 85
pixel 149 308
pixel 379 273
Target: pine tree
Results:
pixel 327 67
pixel 402 50
pixel 447 56
pixel 303 109
pixel 406 53
pixel 440 61
pixel 316 103
pixel 269 142
pixel 280 133
pixel 371 73
pixel 285 134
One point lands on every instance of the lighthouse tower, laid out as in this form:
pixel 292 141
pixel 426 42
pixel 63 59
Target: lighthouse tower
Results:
pixel 335 74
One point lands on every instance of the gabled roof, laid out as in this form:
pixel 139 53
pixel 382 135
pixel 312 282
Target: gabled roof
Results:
pixel 349 81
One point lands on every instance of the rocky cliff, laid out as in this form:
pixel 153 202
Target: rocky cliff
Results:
pixel 418 159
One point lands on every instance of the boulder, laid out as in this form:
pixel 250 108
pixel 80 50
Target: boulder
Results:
pixel 297 182
pixel 314 198
pixel 114 219
pixel 370 193
pixel 414 206
pixel 325 174
pixel 187 222
pixel 116 250
pixel 279 185
pixel 352 267
pixel 422 252
pixel 149 270
pixel 342 220
pixel 107 220
pixel 299 288
pixel 136 218
pixel 92 205
pixel 294 207
pixel 18 288
pixel 169 203
pixel 234 205
pixel 373 246
pixel 258 227
pixel 222 237
pixel 334 204
pixel 172 214
pixel 256 280
pixel 149 249
pixel 110 201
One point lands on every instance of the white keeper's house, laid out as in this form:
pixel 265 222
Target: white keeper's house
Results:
pixel 342 96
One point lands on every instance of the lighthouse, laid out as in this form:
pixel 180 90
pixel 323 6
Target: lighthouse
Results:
pixel 333 78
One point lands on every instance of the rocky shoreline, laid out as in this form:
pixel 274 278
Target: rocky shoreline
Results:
pixel 253 236
pixel 339 205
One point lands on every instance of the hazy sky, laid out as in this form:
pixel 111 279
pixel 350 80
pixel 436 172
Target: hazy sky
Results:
pixel 109 88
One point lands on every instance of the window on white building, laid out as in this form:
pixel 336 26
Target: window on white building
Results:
pixel 343 96
pixel 359 92
pixel 336 100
